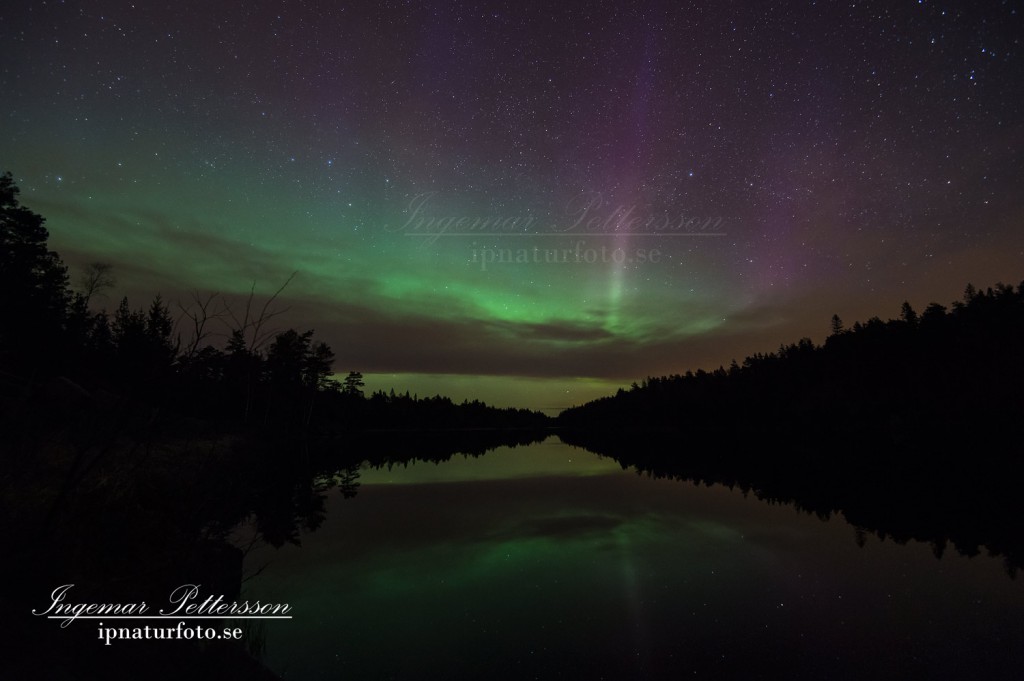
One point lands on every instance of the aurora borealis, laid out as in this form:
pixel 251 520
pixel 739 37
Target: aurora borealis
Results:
pixel 760 166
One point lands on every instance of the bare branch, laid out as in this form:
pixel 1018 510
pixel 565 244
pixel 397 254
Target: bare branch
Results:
pixel 200 313
pixel 259 335
pixel 95 279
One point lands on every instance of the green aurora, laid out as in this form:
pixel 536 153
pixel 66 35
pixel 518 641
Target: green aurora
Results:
pixel 197 148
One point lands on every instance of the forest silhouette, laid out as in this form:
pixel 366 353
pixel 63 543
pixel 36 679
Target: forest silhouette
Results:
pixel 945 371
pixel 137 440
pixel 910 428
pixel 55 345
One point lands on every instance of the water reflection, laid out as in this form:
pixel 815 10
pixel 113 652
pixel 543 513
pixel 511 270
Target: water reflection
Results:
pixel 550 562
pixel 547 458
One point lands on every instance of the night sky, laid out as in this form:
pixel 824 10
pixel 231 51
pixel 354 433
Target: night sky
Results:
pixel 532 203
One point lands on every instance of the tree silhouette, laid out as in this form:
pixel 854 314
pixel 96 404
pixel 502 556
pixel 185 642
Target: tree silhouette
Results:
pixel 318 362
pixel 970 293
pixel 353 384
pixel 297 369
pixel 933 315
pixel 94 280
pixel 907 314
pixel 241 372
pixel 317 372
pixel 144 347
pixel 33 286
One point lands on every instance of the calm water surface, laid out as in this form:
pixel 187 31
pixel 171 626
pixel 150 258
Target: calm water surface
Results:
pixel 550 562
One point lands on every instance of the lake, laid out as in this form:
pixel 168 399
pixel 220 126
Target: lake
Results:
pixel 549 562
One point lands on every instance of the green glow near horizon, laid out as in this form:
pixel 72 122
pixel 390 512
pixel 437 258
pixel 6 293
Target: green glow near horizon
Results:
pixel 551 458
pixel 550 395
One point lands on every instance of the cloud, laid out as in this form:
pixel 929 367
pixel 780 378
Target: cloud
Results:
pixel 554 331
pixel 372 339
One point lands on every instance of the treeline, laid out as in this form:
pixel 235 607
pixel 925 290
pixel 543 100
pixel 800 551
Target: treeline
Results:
pixel 134 442
pixel 55 347
pixel 907 427
pixel 920 375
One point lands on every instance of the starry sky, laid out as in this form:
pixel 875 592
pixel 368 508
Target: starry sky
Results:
pixel 531 203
